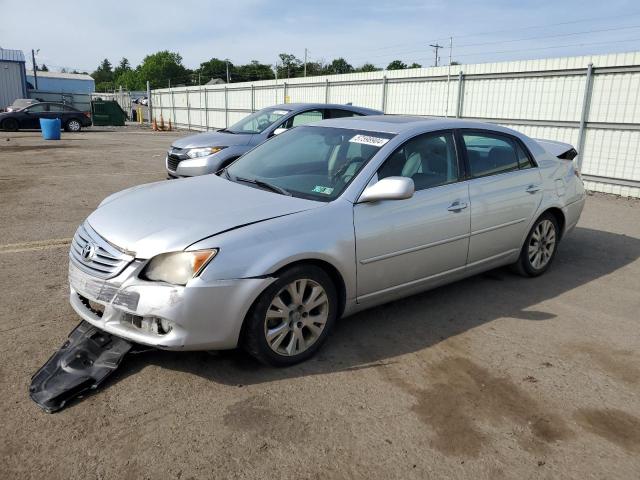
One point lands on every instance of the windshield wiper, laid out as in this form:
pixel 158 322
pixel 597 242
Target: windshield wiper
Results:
pixel 262 183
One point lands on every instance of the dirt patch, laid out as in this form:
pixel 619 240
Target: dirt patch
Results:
pixel 618 363
pixel 463 394
pixel 614 425
pixel 27 148
pixel 255 415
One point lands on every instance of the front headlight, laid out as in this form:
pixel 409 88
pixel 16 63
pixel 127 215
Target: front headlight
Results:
pixel 203 152
pixel 177 267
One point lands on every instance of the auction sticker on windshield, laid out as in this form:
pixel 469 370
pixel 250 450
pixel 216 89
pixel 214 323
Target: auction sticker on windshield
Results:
pixel 368 140
pixel 321 189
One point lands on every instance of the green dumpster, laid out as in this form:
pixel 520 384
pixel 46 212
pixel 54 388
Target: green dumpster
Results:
pixel 107 113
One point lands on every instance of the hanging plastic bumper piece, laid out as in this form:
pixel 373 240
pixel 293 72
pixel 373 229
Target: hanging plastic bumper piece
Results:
pixel 85 360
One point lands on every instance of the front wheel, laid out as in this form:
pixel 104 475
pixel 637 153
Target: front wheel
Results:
pixel 291 319
pixel 73 125
pixel 10 125
pixel 540 247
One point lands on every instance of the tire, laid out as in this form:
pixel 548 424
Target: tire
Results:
pixel 540 247
pixel 282 330
pixel 73 125
pixel 10 125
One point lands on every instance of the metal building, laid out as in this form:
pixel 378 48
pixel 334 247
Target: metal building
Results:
pixel 56 82
pixel 13 82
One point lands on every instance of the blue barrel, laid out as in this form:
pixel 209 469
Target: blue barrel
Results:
pixel 50 128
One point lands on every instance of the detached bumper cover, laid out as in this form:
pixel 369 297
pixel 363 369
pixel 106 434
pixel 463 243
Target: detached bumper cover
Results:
pixel 85 360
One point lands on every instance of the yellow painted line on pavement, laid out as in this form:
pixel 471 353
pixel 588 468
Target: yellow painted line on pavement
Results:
pixel 34 246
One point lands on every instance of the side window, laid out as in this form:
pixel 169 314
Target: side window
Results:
pixel 429 159
pixel 489 154
pixel 524 161
pixel 303 118
pixel 69 109
pixel 56 108
pixel 338 113
pixel 39 108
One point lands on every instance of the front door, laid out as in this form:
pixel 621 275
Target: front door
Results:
pixel 405 244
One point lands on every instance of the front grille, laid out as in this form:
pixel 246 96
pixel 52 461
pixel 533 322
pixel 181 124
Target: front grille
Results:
pixel 174 157
pixel 94 255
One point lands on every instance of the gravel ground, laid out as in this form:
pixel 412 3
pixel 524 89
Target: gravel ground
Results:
pixel 493 377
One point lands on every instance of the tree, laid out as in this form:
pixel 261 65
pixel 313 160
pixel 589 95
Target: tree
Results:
pixel 339 65
pixel 290 66
pixel 253 71
pixel 367 67
pixel 44 68
pixel 122 67
pixel 397 65
pixel 163 67
pixel 455 63
pixel 103 73
pixel 415 65
pixel 214 68
pixel 130 80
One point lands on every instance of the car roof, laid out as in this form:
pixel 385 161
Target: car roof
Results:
pixel 341 106
pixel 398 124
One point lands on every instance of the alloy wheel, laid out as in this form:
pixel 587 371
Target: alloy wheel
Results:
pixel 296 317
pixel 74 125
pixel 542 244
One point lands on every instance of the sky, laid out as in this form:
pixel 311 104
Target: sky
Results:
pixel 78 35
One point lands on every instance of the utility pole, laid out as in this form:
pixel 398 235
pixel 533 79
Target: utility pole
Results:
pixel 227 60
pixel 35 67
pixel 436 47
pixel 450 49
pixel 305 62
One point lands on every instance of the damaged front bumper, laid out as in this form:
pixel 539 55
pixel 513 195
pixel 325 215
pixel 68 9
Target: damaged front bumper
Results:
pixel 198 316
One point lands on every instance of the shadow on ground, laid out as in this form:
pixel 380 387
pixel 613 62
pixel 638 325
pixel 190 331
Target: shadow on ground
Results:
pixel 376 336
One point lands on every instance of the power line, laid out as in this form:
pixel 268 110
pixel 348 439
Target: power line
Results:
pixel 436 47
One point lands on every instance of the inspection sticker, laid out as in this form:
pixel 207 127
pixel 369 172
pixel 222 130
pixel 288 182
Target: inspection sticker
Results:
pixel 367 140
pixel 321 189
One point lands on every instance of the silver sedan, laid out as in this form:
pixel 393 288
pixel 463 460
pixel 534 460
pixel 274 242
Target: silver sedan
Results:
pixel 316 224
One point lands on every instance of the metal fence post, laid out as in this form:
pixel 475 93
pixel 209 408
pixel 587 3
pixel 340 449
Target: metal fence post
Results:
pixel 253 98
pixel 226 108
pixel 384 94
pixel 149 106
pixel 326 91
pixel 186 92
pixel 586 102
pixel 284 99
pixel 173 109
pixel 460 99
pixel 206 108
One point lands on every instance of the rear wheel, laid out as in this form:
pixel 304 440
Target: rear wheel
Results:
pixel 540 247
pixel 291 319
pixel 10 124
pixel 73 125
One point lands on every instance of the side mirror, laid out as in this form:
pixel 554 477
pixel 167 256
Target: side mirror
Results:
pixel 390 188
pixel 279 130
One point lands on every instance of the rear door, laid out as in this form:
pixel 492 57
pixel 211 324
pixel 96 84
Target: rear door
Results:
pixel 505 189
pixel 405 244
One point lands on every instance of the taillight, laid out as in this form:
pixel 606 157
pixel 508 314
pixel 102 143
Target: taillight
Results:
pixel 87 114
pixel 576 172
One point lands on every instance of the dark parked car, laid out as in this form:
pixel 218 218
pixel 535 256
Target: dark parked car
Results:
pixel 71 118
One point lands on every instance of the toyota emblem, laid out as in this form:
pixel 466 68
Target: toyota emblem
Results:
pixel 88 252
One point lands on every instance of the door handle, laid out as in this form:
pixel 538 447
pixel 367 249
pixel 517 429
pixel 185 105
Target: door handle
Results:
pixel 533 188
pixel 457 206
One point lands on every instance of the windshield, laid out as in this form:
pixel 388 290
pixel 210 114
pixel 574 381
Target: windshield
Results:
pixel 258 122
pixel 309 162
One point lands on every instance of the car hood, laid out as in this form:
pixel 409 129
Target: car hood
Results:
pixel 169 216
pixel 213 139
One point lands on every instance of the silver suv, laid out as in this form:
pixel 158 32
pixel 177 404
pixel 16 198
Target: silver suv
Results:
pixel 210 151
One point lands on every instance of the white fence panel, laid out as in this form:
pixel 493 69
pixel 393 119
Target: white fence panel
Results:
pixel 551 98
